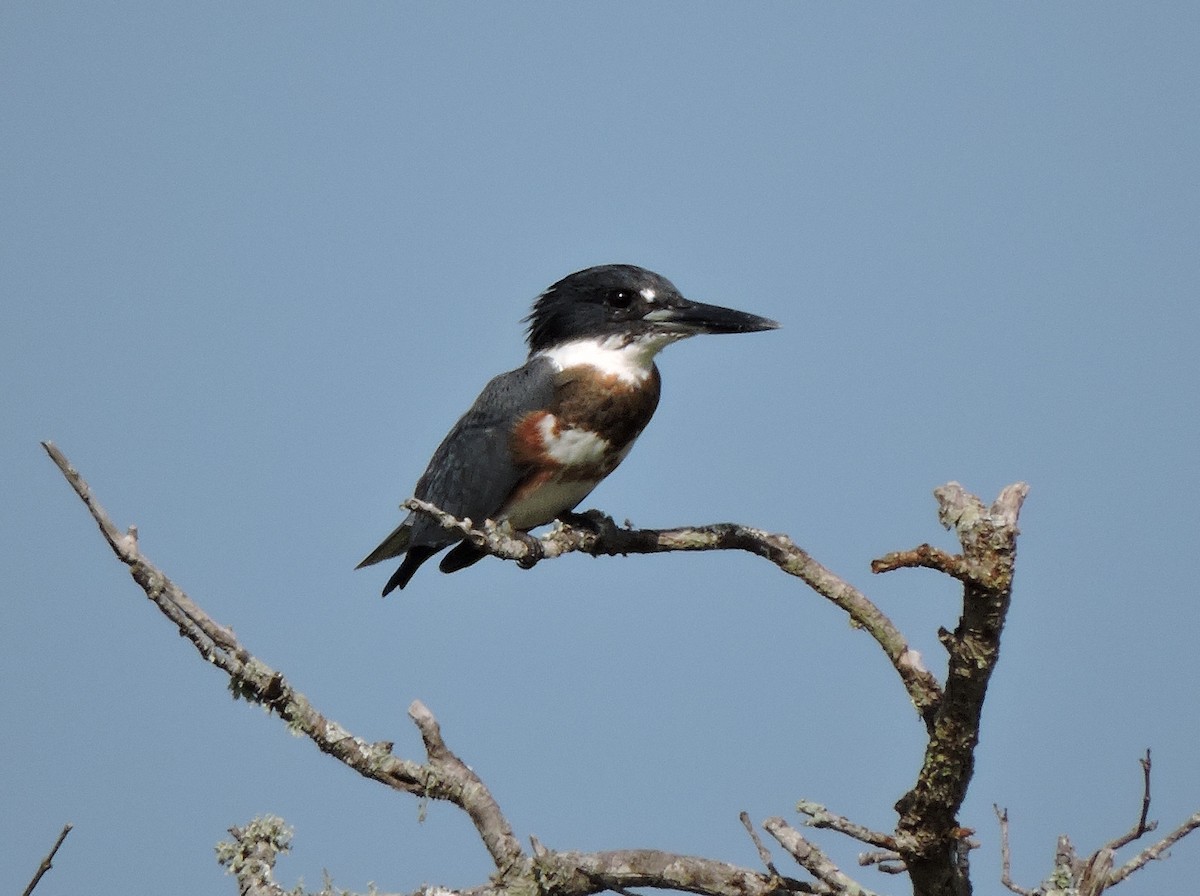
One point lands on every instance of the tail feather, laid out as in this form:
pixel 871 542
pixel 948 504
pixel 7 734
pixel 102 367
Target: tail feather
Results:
pixel 400 543
pixel 464 554
pixel 416 555
pixel 392 546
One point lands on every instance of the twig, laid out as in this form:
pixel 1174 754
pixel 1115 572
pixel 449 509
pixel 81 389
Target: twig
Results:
pixel 443 777
pixel 887 861
pixel 210 639
pixel 926 556
pixel 1093 875
pixel 602 537
pixel 48 861
pixel 820 817
pixel 812 859
pixel 1153 852
pixel 763 855
pixel 1006 854
pixel 1141 826
pixel 1145 764
pixel 928 831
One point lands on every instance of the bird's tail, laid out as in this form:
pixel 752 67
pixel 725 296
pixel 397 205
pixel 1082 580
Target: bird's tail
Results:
pixel 393 546
pixel 416 555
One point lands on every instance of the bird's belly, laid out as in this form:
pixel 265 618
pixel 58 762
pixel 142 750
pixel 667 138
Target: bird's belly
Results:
pixel 564 463
pixel 544 502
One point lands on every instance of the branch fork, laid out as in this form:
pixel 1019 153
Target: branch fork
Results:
pixel 1094 874
pixel 928 843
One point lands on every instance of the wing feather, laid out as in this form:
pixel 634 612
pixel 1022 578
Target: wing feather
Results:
pixel 472 472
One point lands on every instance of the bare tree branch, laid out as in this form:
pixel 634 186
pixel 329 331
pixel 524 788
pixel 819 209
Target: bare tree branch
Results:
pixel 585 873
pixel 926 556
pixel 928 834
pixel 1141 826
pixel 887 861
pixel 763 855
pixel 1093 875
pixel 48 861
pixel 252 853
pixel 813 860
pixel 1097 874
pixel 820 817
pixel 475 798
pixel 596 534
pixel 1006 854
pixel 1153 852
pixel 928 842
pixel 444 778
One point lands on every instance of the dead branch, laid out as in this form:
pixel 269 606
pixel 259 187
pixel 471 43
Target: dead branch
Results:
pixel 444 777
pixel 929 838
pixel 252 854
pixel 820 817
pixel 1095 874
pixel 764 855
pixel 597 534
pixel 1006 854
pixel 48 861
pixel 813 860
pixel 1141 826
pixel 928 842
pixel 887 861
pixel 926 556
pixel 1153 852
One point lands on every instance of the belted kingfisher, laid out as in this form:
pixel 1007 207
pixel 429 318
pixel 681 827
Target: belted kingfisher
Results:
pixel 539 438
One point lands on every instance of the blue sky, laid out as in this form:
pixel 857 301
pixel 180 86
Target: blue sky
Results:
pixel 258 257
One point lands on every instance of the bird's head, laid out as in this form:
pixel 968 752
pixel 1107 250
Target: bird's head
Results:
pixel 622 301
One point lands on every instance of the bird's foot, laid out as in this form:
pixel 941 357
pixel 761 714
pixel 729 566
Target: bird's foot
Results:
pixel 533 546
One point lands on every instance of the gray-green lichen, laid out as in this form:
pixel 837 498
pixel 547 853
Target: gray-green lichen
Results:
pixel 265 829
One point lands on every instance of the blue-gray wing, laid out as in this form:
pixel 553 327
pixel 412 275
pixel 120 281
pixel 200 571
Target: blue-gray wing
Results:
pixel 472 473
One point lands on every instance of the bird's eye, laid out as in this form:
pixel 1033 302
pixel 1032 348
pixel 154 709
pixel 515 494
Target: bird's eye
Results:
pixel 619 298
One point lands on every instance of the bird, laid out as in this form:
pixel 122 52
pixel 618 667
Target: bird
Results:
pixel 540 438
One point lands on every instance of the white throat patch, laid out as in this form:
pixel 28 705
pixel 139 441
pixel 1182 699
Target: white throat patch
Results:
pixel 628 358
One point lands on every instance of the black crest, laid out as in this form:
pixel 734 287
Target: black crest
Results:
pixel 606 299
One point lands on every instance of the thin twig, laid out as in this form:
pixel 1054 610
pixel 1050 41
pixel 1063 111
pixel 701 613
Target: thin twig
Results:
pixel 49 859
pixel 1006 854
pixel 1145 764
pixel 1142 826
pixel 812 859
pixel 443 777
pixel 763 855
pixel 887 861
pixel 820 817
pixel 601 536
pixel 1153 852
pixel 926 556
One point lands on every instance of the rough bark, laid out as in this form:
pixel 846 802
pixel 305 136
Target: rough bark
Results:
pixel 928 843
